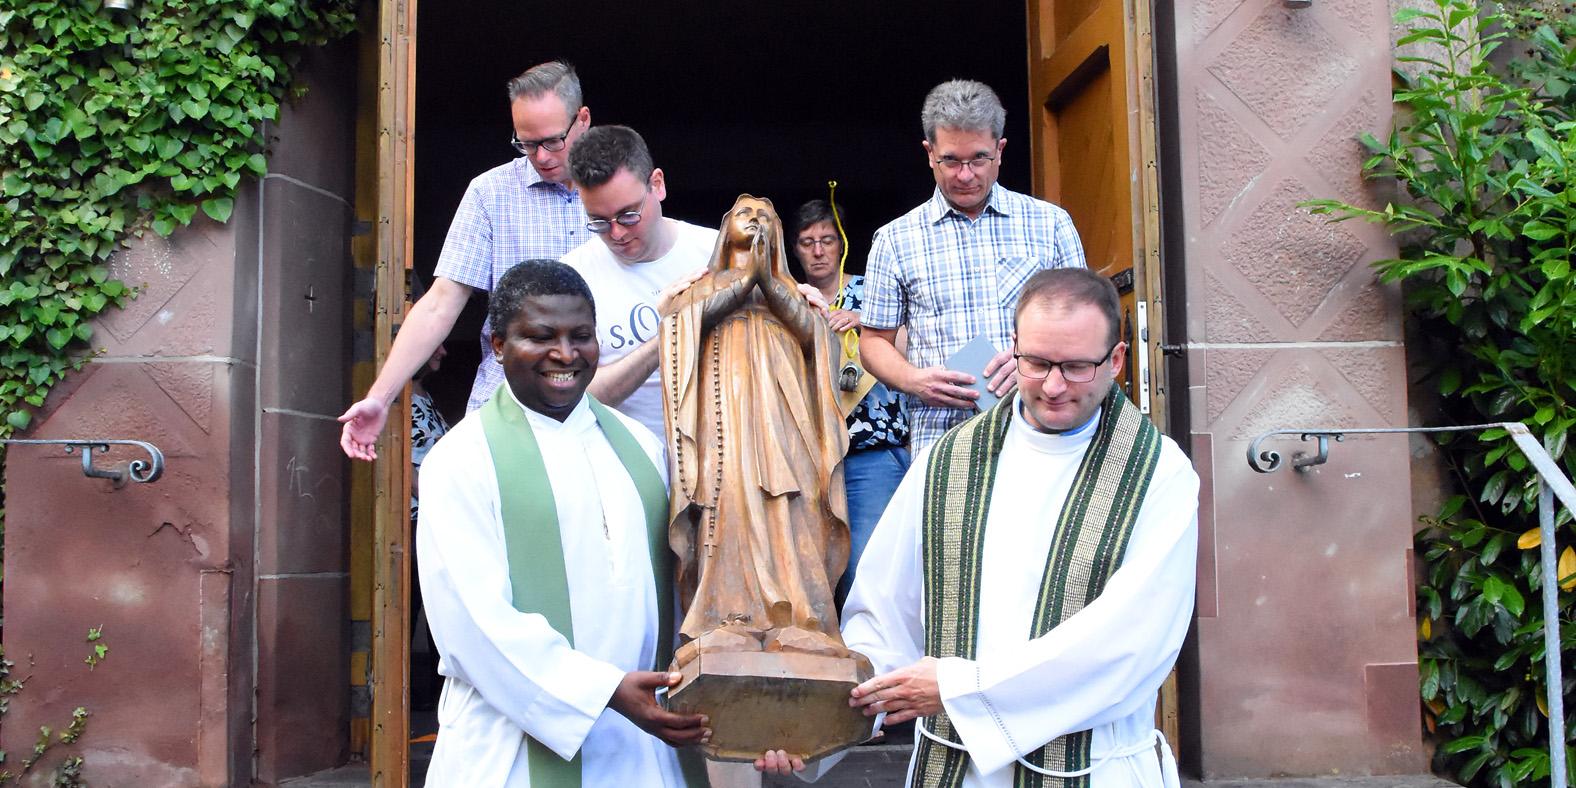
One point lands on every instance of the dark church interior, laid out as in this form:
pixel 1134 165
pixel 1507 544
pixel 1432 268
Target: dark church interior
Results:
pixel 774 99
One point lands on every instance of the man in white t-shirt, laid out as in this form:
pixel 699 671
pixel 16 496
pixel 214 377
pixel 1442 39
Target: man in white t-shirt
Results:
pixel 640 261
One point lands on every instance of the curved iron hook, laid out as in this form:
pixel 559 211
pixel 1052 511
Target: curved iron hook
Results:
pixel 140 471
pixel 1300 461
pixel 1255 456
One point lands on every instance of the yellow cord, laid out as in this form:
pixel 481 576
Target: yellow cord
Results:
pixel 842 239
pixel 850 338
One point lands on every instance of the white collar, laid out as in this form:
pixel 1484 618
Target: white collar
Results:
pixel 1070 442
pixel 579 419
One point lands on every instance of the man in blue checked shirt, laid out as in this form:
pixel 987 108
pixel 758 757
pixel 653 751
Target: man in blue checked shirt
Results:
pixel 526 209
pixel 951 269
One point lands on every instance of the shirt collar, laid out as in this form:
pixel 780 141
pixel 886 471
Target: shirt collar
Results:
pixel 533 179
pixel 938 208
pixel 578 418
pixel 1051 442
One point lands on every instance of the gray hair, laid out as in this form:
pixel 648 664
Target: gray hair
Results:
pixel 965 105
pixel 555 76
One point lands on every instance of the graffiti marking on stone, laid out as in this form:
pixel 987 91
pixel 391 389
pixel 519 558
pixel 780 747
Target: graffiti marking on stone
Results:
pixel 297 471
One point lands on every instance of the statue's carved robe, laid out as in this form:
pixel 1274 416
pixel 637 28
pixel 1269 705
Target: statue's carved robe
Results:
pixel 755 441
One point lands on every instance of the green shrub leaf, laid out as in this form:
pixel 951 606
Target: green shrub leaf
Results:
pixel 1539 231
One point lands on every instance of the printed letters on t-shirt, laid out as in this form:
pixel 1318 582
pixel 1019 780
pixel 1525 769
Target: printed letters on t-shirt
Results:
pixel 642 326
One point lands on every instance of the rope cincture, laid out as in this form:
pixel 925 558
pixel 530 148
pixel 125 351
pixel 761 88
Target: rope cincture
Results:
pixel 1136 748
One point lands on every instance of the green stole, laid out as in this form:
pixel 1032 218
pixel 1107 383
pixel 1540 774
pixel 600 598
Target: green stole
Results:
pixel 1090 538
pixel 537 575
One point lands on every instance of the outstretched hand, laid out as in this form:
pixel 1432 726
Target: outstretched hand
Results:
pixel 363 424
pixel 636 699
pixel 904 694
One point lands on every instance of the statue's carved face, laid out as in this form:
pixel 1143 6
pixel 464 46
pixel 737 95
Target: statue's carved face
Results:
pixel 549 353
pixel 750 218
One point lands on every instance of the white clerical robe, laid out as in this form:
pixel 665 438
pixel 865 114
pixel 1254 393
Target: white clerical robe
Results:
pixel 509 671
pixel 1099 670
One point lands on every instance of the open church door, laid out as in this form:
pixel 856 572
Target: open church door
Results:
pixel 391 544
pixel 1092 135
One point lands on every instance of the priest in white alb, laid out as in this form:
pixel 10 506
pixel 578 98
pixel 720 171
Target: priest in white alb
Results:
pixel 545 568
pixel 1029 586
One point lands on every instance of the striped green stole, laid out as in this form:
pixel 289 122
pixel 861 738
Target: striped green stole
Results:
pixel 1089 541
pixel 538 577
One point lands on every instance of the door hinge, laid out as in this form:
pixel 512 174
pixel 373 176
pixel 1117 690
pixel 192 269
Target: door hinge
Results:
pixel 1142 319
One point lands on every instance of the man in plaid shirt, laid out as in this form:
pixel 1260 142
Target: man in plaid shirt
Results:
pixel 951 269
pixel 526 209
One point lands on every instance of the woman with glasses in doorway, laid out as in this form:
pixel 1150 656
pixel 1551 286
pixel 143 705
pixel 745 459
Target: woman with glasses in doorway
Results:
pixel 878 426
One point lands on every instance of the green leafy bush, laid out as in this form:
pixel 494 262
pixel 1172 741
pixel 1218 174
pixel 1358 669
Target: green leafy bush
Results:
pixel 1485 157
pixel 113 123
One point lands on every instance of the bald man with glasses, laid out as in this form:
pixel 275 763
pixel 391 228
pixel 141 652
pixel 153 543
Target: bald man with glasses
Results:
pixel 523 210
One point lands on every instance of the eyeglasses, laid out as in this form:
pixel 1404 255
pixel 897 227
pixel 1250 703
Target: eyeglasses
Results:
pixel 627 219
pixel 976 164
pixel 1036 368
pixel 810 243
pixel 554 144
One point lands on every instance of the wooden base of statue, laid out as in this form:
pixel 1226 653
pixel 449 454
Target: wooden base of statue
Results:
pixel 761 700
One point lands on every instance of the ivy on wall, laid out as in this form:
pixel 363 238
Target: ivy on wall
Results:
pixel 114 123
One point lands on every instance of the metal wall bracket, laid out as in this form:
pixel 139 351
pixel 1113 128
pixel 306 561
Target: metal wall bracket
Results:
pixel 140 471
pixel 1268 461
pixel 1300 461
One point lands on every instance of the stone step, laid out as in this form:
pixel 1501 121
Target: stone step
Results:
pixel 883 766
pixel 1389 781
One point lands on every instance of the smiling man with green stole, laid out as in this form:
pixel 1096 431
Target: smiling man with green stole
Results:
pixel 545 568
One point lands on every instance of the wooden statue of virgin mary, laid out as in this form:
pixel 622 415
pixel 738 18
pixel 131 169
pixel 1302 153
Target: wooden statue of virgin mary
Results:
pixel 756 440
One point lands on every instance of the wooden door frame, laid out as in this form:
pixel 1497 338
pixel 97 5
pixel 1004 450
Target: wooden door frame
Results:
pixel 396 114
pixel 1144 137
pixel 396 94
pixel 1146 231
pixel 1135 64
